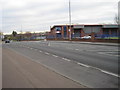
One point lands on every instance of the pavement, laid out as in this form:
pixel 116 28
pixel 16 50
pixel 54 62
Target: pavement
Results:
pixel 92 43
pixel 20 72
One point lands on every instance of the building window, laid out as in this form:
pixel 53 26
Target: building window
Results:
pixel 90 29
pixel 58 29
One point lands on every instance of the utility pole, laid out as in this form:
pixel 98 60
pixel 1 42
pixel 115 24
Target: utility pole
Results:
pixel 119 13
pixel 21 32
pixel 21 29
pixel 69 20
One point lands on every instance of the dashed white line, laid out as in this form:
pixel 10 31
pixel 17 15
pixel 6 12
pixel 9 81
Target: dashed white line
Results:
pixel 40 51
pixel 76 49
pixel 83 65
pixel 54 56
pixel 106 72
pixel 66 59
pixel 47 53
pixel 48 44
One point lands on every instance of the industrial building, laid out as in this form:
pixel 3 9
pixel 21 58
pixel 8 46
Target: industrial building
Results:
pixel 78 31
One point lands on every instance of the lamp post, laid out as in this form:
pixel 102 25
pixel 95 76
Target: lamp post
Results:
pixel 21 32
pixel 69 20
pixel 119 13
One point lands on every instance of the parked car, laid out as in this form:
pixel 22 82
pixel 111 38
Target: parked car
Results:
pixel 86 37
pixel 7 41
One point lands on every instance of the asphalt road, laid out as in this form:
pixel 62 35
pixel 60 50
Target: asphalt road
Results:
pixel 0 65
pixel 90 65
pixel 21 72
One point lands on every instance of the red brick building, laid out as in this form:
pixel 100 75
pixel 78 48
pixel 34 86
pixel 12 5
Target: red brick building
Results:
pixel 78 31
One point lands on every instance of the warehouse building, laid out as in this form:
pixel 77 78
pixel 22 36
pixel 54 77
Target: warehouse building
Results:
pixel 78 31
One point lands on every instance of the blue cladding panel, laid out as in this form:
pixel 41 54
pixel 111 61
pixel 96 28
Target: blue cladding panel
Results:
pixel 65 31
pixel 65 28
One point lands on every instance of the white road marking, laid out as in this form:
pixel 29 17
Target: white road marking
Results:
pixel 113 74
pixel 66 59
pixel 47 53
pixel 110 73
pixel 76 49
pixel 83 65
pixel 54 56
pixel 48 44
pixel 40 51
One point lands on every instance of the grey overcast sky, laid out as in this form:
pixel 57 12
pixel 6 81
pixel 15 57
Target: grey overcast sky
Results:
pixel 39 15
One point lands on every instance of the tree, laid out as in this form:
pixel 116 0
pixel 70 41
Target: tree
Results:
pixel 14 33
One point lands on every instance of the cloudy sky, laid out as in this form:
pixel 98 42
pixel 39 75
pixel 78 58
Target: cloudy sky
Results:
pixel 39 15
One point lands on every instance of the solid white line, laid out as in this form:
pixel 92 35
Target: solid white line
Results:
pixel 110 73
pixel 83 65
pixel 66 59
pixel 99 70
pixel 54 56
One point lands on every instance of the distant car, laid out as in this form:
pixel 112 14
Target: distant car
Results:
pixel 86 37
pixel 7 41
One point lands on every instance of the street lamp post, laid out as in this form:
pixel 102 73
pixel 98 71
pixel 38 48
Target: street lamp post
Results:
pixel 119 13
pixel 21 32
pixel 69 20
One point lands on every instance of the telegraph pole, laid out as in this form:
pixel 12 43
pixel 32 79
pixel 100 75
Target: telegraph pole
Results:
pixel 119 14
pixel 21 32
pixel 69 20
pixel 21 29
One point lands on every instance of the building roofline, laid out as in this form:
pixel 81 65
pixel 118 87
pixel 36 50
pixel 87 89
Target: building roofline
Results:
pixel 82 24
